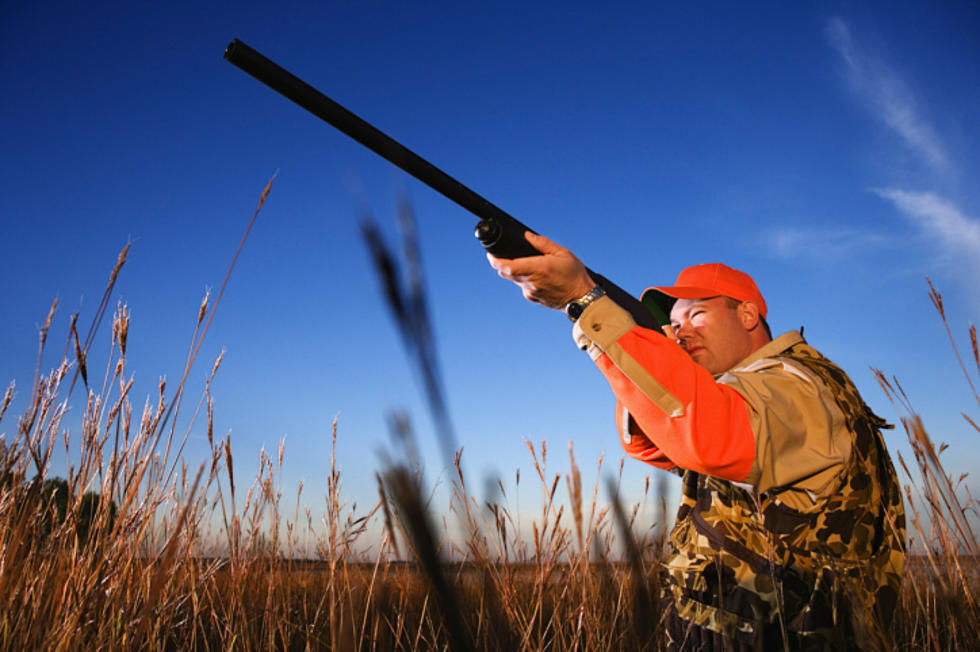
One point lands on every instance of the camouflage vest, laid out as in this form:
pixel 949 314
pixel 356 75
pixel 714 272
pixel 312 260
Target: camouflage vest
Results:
pixel 748 571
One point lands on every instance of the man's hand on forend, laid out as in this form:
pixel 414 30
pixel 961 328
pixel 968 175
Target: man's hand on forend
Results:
pixel 553 279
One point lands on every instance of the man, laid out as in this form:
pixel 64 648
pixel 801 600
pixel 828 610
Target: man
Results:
pixel 791 530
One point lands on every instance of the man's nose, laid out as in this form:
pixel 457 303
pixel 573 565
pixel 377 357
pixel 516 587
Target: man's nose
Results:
pixel 683 330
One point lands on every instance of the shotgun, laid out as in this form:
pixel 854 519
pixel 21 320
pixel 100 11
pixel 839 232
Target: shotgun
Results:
pixel 499 233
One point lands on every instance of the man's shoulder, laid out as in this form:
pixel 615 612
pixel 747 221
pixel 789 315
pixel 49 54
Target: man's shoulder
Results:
pixel 771 354
pixel 782 344
pixel 778 373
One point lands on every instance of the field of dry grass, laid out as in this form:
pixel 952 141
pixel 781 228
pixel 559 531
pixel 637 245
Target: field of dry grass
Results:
pixel 149 570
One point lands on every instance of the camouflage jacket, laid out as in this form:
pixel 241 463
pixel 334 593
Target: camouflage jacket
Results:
pixel 752 570
pixel 791 526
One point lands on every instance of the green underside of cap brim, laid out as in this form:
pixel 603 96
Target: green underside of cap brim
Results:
pixel 658 304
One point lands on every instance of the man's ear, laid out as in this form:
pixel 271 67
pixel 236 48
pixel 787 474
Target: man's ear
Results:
pixel 748 314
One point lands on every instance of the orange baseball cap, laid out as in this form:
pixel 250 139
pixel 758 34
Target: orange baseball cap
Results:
pixel 705 281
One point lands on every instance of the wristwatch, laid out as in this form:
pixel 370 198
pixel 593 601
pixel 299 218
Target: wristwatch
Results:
pixel 574 309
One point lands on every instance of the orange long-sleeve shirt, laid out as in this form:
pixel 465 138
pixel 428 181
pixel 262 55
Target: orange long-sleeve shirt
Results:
pixel 671 411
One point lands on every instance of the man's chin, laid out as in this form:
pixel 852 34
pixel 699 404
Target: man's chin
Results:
pixel 703 359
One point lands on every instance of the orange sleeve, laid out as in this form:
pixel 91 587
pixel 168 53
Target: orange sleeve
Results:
pixel 686 419
pixel 635 442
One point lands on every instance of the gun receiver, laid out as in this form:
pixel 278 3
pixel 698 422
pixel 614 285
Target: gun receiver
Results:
pixel 499 232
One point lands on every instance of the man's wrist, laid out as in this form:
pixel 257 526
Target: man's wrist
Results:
pixel 574 309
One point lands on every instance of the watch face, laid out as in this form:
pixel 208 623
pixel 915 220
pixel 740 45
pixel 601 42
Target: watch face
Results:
pixel 575 310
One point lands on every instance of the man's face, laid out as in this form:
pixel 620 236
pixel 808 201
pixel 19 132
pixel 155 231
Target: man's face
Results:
pixel 712 332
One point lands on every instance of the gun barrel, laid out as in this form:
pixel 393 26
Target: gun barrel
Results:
pixel 295 89
pixel 499 232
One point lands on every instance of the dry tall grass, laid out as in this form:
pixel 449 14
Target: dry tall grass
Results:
pixel 150 573
pixel 147 573
pixel 941 596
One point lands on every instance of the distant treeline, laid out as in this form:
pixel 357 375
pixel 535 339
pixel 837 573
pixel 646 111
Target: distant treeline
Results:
pixel 53 495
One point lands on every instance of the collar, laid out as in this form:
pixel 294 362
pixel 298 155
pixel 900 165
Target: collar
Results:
pixel 770 349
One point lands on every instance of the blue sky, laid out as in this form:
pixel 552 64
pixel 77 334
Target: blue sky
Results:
pixel 830 150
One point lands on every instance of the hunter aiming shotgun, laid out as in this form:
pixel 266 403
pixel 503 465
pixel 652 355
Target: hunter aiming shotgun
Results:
pixel 500 234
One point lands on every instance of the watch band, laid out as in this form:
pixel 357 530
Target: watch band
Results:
pixel 574 309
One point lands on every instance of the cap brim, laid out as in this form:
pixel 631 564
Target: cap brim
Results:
pixel 663 298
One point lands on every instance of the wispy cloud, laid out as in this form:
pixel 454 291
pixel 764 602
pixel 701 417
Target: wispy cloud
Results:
pixel 891 100
pixel 823 244
pixel 947 229
pixel 939 219
pixel 887 96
